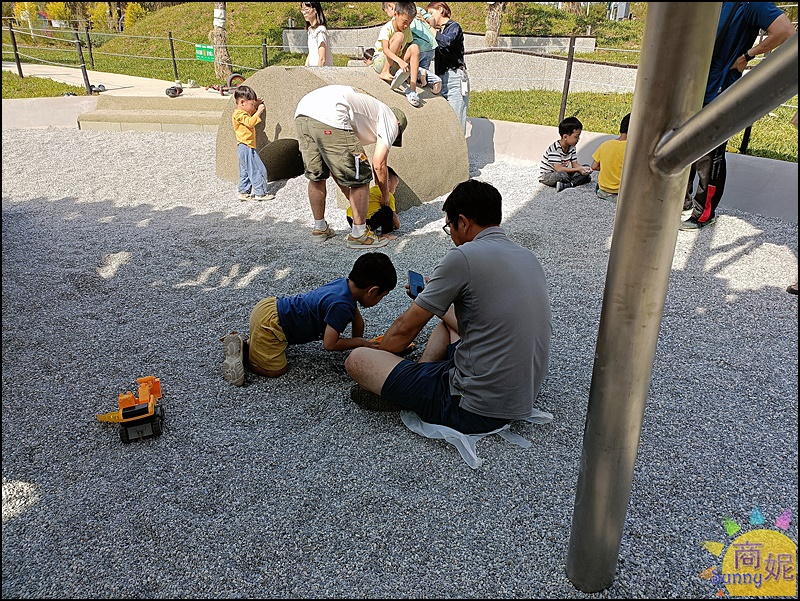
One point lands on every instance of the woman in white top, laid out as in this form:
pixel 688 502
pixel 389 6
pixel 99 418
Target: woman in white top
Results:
pixel 319 48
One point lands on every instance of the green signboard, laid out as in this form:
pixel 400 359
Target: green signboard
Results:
pixel 204 52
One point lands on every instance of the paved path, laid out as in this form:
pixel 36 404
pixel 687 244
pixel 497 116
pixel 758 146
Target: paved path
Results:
pixel 756 185
pixel 115 84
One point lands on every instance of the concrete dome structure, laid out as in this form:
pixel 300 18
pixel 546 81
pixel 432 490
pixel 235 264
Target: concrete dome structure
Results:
pixel 432 160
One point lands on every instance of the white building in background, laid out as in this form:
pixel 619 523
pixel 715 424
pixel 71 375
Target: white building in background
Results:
pixel 617 11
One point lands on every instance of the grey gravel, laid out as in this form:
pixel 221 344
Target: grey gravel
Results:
pixel 125 256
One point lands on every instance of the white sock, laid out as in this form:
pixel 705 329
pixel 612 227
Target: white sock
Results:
pixel 358 230
pixel 320 224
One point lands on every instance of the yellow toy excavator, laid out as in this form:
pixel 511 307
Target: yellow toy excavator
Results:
pixel 138 418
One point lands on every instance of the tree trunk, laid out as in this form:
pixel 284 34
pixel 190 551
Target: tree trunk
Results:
pixel 494 17
pixel 219 39
pixel 119 16
pixel 572 7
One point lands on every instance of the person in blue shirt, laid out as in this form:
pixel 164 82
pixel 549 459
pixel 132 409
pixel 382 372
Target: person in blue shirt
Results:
pixel 737 30
pixel 321 314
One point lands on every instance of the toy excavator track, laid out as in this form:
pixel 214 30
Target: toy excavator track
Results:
pixel 140 417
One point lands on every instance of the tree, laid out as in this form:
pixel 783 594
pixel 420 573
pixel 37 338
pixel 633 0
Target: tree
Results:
pixel 494 16
pixel 58 11
pixel 219 39
pixel 118 20
pixel 79 12
pixel 572 7
pixel 99 16
pixel 26 12
pixel 134 12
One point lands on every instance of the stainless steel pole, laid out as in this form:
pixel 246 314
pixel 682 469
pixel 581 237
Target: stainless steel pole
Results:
pixel 673 69
pixel 767 85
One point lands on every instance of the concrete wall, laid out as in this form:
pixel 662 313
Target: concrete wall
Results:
pixel 514 70
pixel 354 40
pixel 499 69
pixel 432 160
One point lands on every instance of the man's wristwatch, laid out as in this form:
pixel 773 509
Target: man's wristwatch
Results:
pixel 747 57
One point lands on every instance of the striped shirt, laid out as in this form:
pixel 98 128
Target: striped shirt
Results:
pixel 555 154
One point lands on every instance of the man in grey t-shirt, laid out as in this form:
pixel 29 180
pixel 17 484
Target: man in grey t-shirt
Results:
pixel 485 361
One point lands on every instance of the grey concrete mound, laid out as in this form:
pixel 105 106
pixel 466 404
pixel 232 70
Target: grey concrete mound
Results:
pixel 432 160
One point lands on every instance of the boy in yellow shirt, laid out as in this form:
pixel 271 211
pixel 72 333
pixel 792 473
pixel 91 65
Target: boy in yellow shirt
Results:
pixel 611 154
pixel 379 217
pixel 252 172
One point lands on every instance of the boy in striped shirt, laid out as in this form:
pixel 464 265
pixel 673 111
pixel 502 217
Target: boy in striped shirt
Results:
pixel 559 168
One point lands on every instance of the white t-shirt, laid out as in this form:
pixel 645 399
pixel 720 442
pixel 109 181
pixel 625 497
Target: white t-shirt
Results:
pixel 316 37
pixel 343 107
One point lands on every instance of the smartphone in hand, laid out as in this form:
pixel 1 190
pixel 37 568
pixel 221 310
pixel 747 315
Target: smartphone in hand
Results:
pixel 415 283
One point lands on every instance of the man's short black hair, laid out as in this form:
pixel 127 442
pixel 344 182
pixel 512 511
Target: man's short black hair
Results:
pixel 373 269
pixel 623 125
pixel 569 125
pixel 475 200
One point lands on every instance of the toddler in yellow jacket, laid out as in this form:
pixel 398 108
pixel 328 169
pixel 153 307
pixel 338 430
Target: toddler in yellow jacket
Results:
pixel 252 172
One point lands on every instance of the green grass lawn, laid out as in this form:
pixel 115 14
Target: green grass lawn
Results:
pixel 772 136
pixel 15 86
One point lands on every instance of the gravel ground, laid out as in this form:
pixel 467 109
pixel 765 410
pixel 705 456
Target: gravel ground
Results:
pixel 125 256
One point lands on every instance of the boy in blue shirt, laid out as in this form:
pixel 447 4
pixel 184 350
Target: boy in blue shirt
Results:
pixel 321 314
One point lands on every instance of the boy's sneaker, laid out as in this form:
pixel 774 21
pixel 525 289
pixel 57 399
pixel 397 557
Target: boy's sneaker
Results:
pixel 265 197
pixel 692 224
pixel 369 400
pixel 233 365
pixel 322 235
pixel 562 186
pixel 244 196
pixel 367 240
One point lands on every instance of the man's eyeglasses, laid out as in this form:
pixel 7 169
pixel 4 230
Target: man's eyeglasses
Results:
pixel 446 227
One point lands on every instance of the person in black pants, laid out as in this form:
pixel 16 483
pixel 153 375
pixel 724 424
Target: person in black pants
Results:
pixel 739 25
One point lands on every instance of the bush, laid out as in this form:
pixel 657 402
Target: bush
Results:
pixel 134 12
pixel 58 11
pixel 99 17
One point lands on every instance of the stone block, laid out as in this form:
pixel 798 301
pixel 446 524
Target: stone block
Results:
pixel 432 160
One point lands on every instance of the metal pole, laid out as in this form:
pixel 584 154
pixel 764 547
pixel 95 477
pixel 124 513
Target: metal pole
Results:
pixel 83 65
pixel 89 44
pixel 264 58
pixel 565 91
pixel 16 54
pixel 172 51
pixel 767 85
pixel 676 48
pixel 745 139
